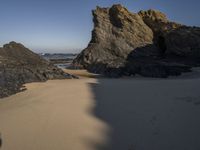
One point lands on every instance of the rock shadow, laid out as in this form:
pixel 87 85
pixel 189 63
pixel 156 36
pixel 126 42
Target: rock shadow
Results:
pixel 144 114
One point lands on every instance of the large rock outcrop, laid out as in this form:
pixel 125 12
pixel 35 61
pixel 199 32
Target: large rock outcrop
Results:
pixel 116 33
pixel 145 43
pixel 19 65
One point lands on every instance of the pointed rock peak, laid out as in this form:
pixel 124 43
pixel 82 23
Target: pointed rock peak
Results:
pixel 118 8
pixel 115 8
pixel 100 9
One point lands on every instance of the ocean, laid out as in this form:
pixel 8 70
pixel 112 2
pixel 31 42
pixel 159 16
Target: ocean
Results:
pixel 61 60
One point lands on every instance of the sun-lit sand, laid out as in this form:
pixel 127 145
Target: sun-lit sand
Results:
pixel 98 114
pixel 56 115
pixel 81 73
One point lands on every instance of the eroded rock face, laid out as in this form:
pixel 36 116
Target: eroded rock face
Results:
pixel 19 65
pixel 179 40
pixel 125 43
pixel 184 42
pixel 116 33
pixel 158 22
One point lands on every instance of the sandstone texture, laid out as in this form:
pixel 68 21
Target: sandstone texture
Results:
pixel 145 43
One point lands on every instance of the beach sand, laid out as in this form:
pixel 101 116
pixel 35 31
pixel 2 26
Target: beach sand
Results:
pixel 103 114
pixel 81 73
pixel 56 115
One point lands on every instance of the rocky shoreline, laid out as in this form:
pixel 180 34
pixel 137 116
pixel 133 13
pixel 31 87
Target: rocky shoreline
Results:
pixel 145 43
pixel 19 65
pixel 123 44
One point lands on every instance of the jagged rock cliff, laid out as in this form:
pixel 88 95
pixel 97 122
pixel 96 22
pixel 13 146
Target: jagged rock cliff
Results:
pixel 145 43
pixel 116 33
pixel 19 65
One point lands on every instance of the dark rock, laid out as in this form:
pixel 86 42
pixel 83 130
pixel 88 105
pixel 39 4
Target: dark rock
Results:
pixel 172 38
pixel 155 68
pixel 146 43
pixel 184 42
pixel 116 33
pixel 19 65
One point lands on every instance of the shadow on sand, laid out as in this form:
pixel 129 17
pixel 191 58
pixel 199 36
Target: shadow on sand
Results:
pixel 149 114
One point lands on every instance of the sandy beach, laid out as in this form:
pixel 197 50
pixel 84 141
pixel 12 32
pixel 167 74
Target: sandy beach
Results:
pixel 51 115
pixel 103 114
pixel 99 75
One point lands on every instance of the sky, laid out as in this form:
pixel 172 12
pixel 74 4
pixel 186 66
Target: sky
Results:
pixel 65 26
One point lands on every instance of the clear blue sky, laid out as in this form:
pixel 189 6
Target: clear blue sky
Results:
pixel 65 25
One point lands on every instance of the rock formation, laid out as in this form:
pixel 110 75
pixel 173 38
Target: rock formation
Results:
pixel 116 33
pixel 19 65
pixel 145 43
